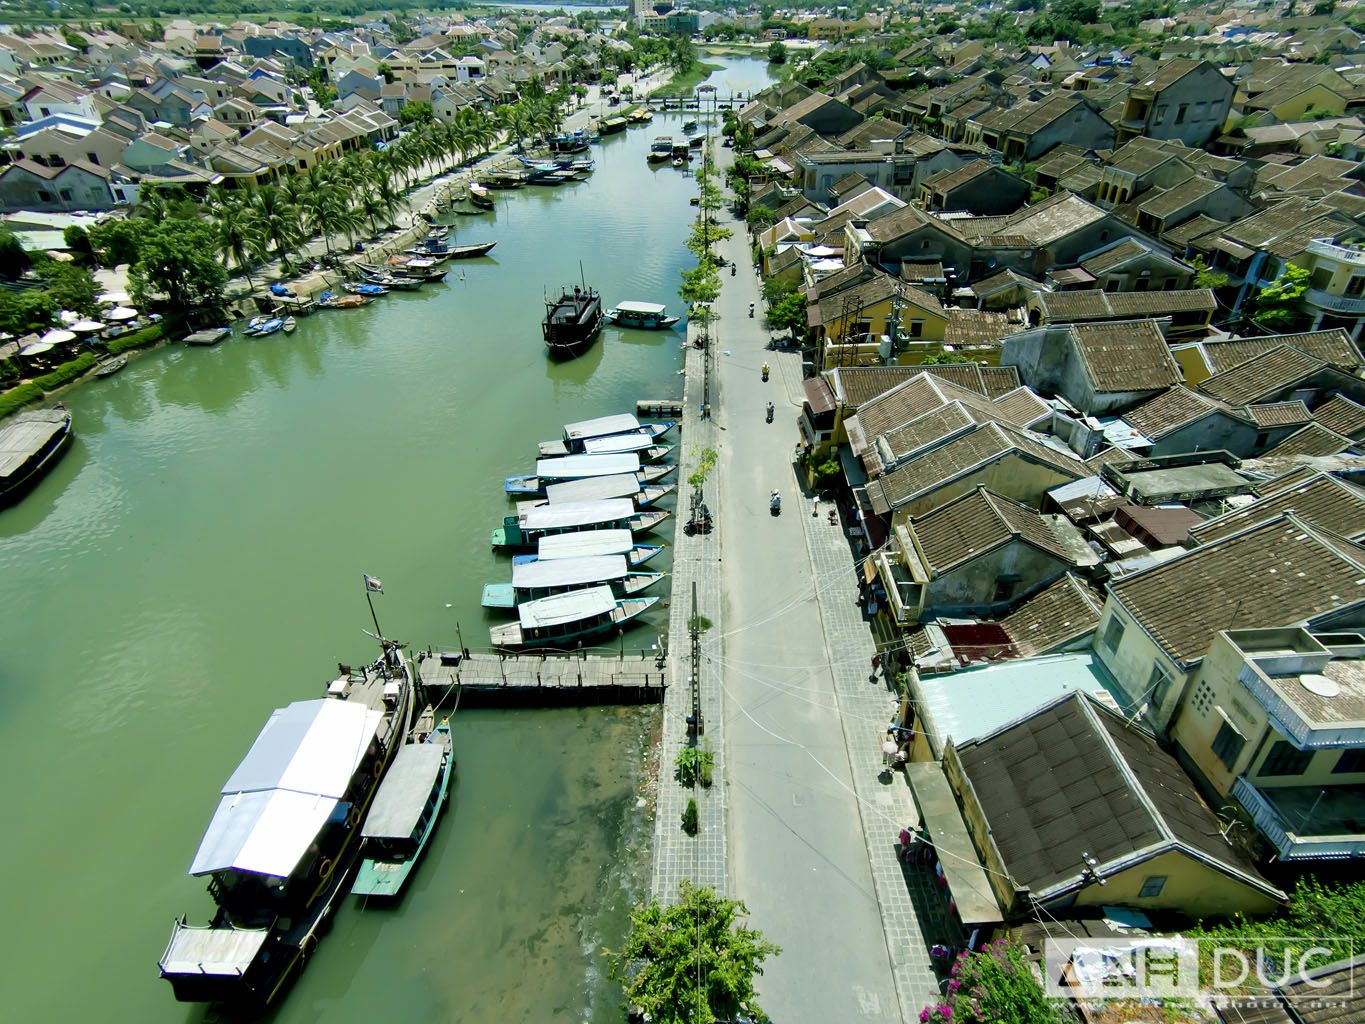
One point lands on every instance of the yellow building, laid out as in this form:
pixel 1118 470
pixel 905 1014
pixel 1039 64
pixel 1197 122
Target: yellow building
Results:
pixel 1072 807
pixel 1277 723
pixel 1336 286
pixel 872 322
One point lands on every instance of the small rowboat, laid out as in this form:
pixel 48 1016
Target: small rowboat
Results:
pixel 466 252
pixel 109 367
pixel 289 324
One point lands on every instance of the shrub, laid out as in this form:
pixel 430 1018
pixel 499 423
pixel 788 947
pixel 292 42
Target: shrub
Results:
pixel 688 763
pixel 690 822
pixel 138 339
pixel 67 372
pixel 16 398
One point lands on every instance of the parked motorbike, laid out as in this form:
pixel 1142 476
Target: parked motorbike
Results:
pixel 770 412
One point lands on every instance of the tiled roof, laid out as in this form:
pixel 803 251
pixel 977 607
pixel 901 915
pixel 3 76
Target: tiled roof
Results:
pixel 1298 573
pixel 1173 200
pixel 1341 415
pixel 908 401
pixel 1289 478
pixel 999 380
pixel 1261 376
pixel 1169 411
pixel 975 327
pixel 1314 439
pixel 1054 616
pixel 1320 499
pixel 1125 356
pixel 977 522
pixel 1071 781
pixel 921 432
pixel 1331 346
pixel 1279 414
pixel 1183 234
pixel 1115 256
pixel 1093 304
pixel 1022 406
pixel 950 178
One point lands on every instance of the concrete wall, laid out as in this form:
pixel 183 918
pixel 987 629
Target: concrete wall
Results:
pixel 971 587
pixel 1131 665
pixel 990 193
pixel 1081 127
pixel 1192 888
pixel 1211 434
pixel 74 190
pixel 1013 476
pixel 1206 96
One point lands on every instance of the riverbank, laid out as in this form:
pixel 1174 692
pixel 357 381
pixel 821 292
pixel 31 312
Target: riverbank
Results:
pixel 686 83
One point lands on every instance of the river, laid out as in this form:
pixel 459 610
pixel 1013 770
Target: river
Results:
pixel 196 560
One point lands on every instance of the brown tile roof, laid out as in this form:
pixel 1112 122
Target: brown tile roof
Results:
pixel 1169 411
pixel 1175 199
pixel 1298 573
pixel 1022 406
pixel 1169 73
pixel 922 432
pixel 1331 346
pixel 1125 356
pixel 1289 478
pixel 1341 415
pixel 952 177
pixel 975 327
pixel 1319 499
pixel 999 380
pixel 977 522
pixel 925 392
pixel 1279 414
pixel 1183 234
pixel 1071 781
pixel 964 375
pixel 1314 439
pixel 1115 256
pixel 1261 376
pixel 1072 307
pixel 857 385
pixel 1056 615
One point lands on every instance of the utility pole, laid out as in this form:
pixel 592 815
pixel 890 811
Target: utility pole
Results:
pixel 695 726
pixel 894 327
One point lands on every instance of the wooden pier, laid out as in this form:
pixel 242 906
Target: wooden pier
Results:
pixel 659 407
pixel 485 680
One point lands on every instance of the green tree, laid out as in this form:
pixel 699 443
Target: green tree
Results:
pixel 994 986
pixel 416 112
pixel 943 358
pixel 693 962
pixel 777 53
pixel 701 284
pixel 14 258
pixel 71 287
pixel 278 221
pixel 385 72
pixel 115 241
pixel 77 241
pixel 789 314
pixel 26 311
pixel 1083 12
pixel 179 261
pixel 1278 303
pixel 1207 277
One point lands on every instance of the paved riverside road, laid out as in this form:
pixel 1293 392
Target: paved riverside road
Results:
pixel 797 851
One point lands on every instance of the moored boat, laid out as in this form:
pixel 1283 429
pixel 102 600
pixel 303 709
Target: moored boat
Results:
pixel 626 485
pixel 524 529
pixel 690 126
pixel 567 617
pixel 109 367
pixel 404 814
pixel 640 115
pixel 362 288
pixel 646 316
pixel 207 337
pixel 591 542
pixel 480 196
pixel 503 179
pixel 289 324
pixel 577 467
pixel 468 252
pixel 534 580
pixel 31 442
pixel 269 326
pixel 612 125
pixel 660 150
pixel 572 321
pixel 285 836
pixel 624 426
pixel 331 300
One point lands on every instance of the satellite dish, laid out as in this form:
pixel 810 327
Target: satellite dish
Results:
pixel 1320 685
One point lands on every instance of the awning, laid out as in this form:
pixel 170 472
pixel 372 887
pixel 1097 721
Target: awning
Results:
pixel 1232 248
pixel 121 313
pixel 818 395
pixel 87 326
pixel 57 337
pixel 967 881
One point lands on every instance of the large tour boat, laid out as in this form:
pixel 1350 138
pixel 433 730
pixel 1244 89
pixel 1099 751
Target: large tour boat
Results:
pixel 565 619
pixel 286 833
pixel 572 321
pixel 30 445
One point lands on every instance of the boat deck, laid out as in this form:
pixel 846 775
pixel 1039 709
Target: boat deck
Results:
pixel 542 680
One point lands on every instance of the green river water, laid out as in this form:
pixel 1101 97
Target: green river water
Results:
pixel 195 561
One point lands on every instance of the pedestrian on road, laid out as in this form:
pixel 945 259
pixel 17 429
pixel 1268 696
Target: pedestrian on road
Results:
pixel 815 508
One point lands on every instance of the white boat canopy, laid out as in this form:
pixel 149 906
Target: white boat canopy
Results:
pixel 404 792
pixel 599 488
pixel 286 788
pixel 214 951
pixel 616 443
pixel 620 423
pixel 651 308
pixel 577 513
pixel 568 572
pixel 576 467
pixel 575 606
pixel 584 543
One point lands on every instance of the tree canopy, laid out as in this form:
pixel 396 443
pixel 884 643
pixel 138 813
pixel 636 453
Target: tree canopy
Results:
pixel 179 260
pixel 1277 304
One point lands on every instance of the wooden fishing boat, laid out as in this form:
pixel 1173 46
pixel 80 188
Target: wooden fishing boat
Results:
pixel 578 467
pixel 641 444
pixel 679 162
pixel 404 814
pixel 109 367
pixel 503 179
pixel 645 316
pixel 393 282
pixel 468 252
pixel 330 300
pixel 207 337
pixel 565 618
pixel 626 485
pixel 640 115
pixel 689 126
pixel 660 150
pixel 534 580
pixel 282 843
pixel 270 326
pixel 612 125
pixel 363 288
pixel 289 324
pixel 592 542
pixel 524 529
pixel 31 443
pixel 572 322
pixel 479 195
pixel 697 143
pixel 576 435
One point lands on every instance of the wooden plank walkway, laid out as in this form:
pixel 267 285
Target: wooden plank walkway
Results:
pixel 485 680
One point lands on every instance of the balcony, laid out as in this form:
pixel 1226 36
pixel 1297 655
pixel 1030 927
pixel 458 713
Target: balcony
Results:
pixel 1351 254
pixel 1350 305
pixel 1307 822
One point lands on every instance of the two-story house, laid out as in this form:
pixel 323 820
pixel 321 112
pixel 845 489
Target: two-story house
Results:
pixel 1185 99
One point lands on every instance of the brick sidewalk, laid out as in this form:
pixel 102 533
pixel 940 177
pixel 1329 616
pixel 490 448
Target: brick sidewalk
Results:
pixel 677 855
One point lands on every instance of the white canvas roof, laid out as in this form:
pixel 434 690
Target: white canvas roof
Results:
pixel 640 307
pixel 312 746
pixel 587 542
pixel 570 607
pixel 213 951
pixel 568 572
pixel 263 833
pixel 573 467
pixel 620 423
pixel 405 790
pixel 577 513
pixel 617 443
pixel 597 488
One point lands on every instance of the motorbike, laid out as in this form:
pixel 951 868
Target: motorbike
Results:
pixel 765 373
pixel 751 311
pixel 770 412
pixel 775 504
pixel 733 268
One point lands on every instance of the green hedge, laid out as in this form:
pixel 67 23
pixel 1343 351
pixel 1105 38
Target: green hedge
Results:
pixel 138 339
pixel 67 372
pixel 16 398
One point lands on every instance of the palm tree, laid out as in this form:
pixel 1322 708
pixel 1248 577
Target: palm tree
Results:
pixel 324 205
pixel 150 203
pixel 279 221
pixel 237 231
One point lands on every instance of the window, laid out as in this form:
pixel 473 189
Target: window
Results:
pixel 1113 633
pixel 1228 745
pixel 1355 286
pixel 1158 684
pixel 1160 114
pixel 93 158
pixel 1350 762
pixel 916 328
pixel 44 196
pixel 1285 759
pixel 1203 698
pixel 1151 887
pixel 66 195
pixel 1004 588
pixel 1140 285
pixel 1111 284
pixel 1198 114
